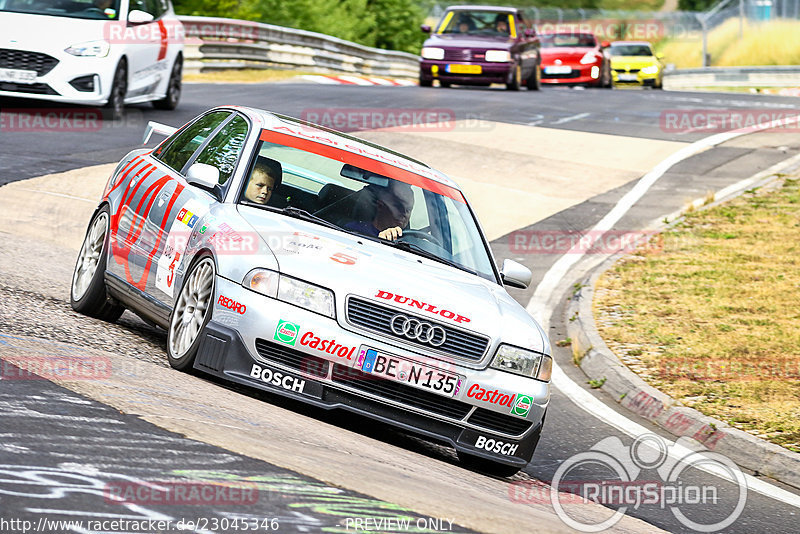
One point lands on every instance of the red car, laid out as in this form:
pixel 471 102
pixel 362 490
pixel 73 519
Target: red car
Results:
pixel 575 59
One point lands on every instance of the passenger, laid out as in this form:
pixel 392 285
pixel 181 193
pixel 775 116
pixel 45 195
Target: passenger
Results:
pixel 387 213
pixel 266 177
pixel 501 25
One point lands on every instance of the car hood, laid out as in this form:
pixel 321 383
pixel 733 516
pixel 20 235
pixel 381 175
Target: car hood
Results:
pixel 361 267
pixel 41 32
pixel 567 53
pixel 469 41
pixel 632 62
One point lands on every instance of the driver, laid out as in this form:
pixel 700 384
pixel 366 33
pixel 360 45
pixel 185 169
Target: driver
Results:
pixel 390 212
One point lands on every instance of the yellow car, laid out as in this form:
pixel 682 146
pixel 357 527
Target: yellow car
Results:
pixel 635 63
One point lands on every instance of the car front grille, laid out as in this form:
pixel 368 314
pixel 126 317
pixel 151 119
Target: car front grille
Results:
pixel 574 73
pixel 294 359
pixel 513 426
pixel 24 60
pixel 461 54
pixel 623 71
pixel 399 392
pixel 32 88
pixel 377 318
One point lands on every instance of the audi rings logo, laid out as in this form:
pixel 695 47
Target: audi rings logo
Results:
pixel 417 330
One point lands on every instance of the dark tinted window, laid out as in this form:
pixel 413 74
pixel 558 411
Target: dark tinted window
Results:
pixel 223 151
pixel 181 148
pixel 631 50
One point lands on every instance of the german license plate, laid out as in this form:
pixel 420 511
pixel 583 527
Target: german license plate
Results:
pixel 17 75
pixel 412 373
pixel 628 77
pixel 464 69
pixel 558 69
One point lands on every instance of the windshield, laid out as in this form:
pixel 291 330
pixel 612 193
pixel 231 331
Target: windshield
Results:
pixel 477 23
pixel 568 40
pixel 79 9
pixel 631 50
pixel 346 190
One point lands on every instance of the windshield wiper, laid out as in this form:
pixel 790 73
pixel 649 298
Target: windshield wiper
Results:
pixel 298 213
pixel 416 249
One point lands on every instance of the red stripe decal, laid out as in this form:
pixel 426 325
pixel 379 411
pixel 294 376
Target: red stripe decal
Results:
pixel 162 29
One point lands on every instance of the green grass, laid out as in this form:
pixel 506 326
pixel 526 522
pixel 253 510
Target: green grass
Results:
pixel 769 43
pixel 713 318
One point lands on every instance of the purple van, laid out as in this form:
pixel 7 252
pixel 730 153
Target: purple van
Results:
pixel 481 45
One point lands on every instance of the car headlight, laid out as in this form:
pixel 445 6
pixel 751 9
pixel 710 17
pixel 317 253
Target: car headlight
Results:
pixel 652 69
pixel 89 49
pixel 589 57
pixel 523 362
pixel 498 56
pixel 429 52
pixel 291 290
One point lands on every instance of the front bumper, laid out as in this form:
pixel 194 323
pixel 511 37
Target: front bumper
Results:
pixel 649 80
pixel 243 348
pixel 490 72
pixel 54 85
pixel 580 74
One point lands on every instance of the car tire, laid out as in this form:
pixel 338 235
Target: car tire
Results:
pixel 115 107
pixel 88 288
pixel 534 81
pixel 444 84
pixel 516 78
pixel 173 96
pixel 191 313
pixel 487 467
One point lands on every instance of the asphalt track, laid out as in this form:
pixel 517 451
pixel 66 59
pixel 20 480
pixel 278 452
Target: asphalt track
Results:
pixel 569 429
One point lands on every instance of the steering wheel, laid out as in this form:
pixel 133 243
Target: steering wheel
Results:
pixel 422 235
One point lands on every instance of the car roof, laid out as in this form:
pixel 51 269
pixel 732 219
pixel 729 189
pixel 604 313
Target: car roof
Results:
pixel 500 9
pixel 631 43
pixel 274 121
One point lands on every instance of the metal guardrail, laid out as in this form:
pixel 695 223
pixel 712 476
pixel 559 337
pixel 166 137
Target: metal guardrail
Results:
pixel 219 43
pixel 774 76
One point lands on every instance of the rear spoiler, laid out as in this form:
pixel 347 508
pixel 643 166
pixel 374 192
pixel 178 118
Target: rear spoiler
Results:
pixel 157 127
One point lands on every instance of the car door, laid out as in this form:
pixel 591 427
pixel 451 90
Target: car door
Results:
pixel 147 49
pixel 217 140
pixel 156 191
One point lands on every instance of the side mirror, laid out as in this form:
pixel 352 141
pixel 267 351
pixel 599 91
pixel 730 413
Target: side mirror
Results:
pixel 515 274
pixel 203 176
pixel 425 28
pixel 660 56
pixel 605 44
pixel 137 16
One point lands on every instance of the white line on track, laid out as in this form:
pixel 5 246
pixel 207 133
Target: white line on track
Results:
pixel 539 305
pixel 571 118
pixel 92 200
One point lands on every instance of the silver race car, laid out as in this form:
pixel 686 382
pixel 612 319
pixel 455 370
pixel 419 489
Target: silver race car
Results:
pixel 305 262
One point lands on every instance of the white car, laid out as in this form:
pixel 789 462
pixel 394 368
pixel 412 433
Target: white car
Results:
pixel 94 52
pixel 254 240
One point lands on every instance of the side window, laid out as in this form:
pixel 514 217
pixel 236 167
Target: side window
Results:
pixel 224 149
pixel 181 148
